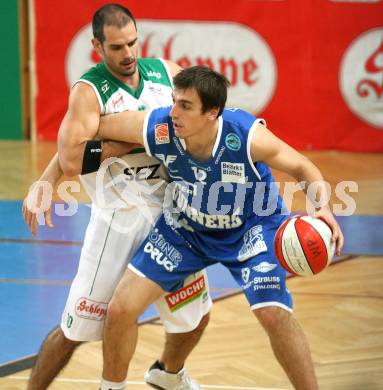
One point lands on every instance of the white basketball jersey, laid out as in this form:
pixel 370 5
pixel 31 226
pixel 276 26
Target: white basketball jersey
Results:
pixel 134 179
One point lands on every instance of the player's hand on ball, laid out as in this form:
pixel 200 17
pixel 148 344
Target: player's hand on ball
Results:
pixel 303 245
pixel 326 215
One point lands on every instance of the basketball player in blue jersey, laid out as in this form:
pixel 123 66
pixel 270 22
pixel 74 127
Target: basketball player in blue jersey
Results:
pixel 218 159
pixel 117 226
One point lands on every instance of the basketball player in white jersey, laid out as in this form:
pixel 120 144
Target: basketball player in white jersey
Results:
pixel 125 204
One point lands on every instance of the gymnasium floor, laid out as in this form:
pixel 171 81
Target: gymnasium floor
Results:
pixel 36 273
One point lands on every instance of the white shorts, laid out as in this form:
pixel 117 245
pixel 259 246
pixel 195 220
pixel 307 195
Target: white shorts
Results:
pixel 111 239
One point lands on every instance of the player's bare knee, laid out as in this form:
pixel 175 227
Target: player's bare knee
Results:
pixel 272 318
pixel 62 343
pixel 120 310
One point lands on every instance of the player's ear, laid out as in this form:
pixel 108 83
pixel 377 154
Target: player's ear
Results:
pixel 97 45
pixel 213 113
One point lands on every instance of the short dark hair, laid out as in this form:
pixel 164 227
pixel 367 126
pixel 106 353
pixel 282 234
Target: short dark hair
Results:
pixel 210 85
pixel 110 15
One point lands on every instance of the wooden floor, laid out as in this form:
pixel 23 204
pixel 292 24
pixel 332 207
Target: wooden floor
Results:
pixel 341 309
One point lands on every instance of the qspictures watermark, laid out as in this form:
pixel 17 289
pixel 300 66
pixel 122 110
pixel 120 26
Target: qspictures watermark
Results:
pixel 182 197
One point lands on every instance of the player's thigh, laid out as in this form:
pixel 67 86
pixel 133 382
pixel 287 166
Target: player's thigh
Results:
pixel 261 277
pixel 263 282
pixel 106 252
pixel 182 311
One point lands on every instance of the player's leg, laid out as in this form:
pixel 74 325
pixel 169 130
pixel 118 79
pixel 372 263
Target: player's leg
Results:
pixel 185 315
pixel 169 372
pixel 84 313
pixel 132 296
pixel 290 346
pixel 54 354
pixel 263 281
pixel 178 346
pixel 159 260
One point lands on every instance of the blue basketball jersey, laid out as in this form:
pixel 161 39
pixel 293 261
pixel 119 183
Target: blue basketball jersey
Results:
pixel 227 193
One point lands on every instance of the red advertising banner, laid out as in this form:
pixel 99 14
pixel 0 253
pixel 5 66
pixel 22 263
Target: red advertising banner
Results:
pixel 312 69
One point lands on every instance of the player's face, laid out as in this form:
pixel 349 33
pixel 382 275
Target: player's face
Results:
pixel 119 50
pixel 187 116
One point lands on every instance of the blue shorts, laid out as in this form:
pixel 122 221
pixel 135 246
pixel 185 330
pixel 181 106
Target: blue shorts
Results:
pixel 167 258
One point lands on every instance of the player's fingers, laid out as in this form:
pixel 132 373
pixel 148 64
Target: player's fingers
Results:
pixel 339 243
pixel 33 225
pixel 27 216
pixel 335 231
pixel 48 217
pixel 23 210
pixel 337 237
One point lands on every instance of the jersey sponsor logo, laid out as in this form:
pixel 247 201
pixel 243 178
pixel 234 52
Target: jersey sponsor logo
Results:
pixel 220 221
pixel 159 257
pixel 219 155
pixel 233 142
pixel 245 274
pixel 69 321
pixel 162 252
pixel 232 172
pixel 91 310
pixel 181 193
pixel 151 73
pixel 264 267
pixel 105 86
pixel 118 101
pixel 156 89
pixel 266 279
pixel 267 287
pixel 161 133
pixel 253 243
pixel 360 77
pixel 263 283
pixel 178 146
pixel 147 172
pixel 166 160
pixel 185 295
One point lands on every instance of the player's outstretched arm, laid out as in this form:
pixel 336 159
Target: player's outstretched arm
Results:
pixel 79 127
pixel 266 147
pixel 32 204
pixel 125 126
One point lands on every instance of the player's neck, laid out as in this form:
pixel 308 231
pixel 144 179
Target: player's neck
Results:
pixel 200 145
pixel 132 81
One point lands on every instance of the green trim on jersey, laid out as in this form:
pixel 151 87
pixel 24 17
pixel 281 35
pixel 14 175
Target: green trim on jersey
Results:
pixel 153 69
pixel 150 69
pixel 103 80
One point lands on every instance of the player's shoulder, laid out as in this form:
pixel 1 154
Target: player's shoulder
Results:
pixel 101 81
pixel 161 114
pixel 237 116
pixel 95 74
pixel 154 70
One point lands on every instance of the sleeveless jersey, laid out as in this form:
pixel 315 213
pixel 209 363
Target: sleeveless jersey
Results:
pixel 134 179
pixel 229 192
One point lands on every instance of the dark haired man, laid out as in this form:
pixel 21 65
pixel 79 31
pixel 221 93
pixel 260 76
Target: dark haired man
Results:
pixel 125 203
pixel 217 163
